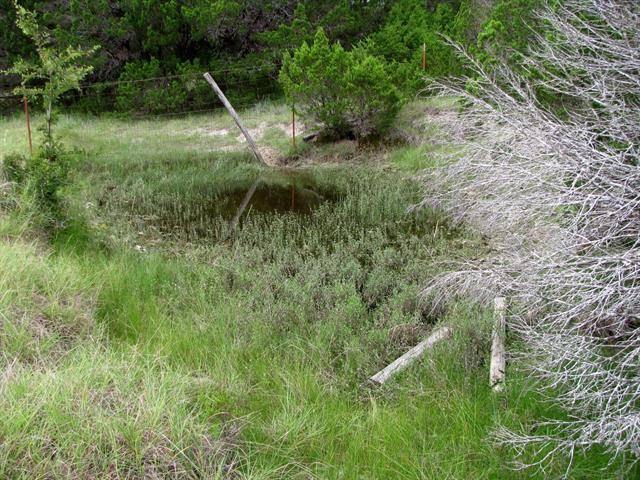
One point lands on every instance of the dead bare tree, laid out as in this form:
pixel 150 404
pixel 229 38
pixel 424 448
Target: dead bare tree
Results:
pixel 550 174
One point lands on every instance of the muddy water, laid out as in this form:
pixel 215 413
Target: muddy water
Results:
pixel 274 199
pixel 212 215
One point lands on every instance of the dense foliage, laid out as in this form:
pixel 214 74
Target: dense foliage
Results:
pixel 345 93
pixel 406 29
pixel 242 43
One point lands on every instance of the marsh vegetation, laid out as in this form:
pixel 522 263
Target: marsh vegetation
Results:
pixel 173 306
pixel 139 343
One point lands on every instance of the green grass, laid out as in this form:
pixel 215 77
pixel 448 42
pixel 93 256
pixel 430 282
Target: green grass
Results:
pixel 139 343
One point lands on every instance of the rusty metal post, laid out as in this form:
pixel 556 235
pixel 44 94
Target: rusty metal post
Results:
pixel 26 114
pixel 293 125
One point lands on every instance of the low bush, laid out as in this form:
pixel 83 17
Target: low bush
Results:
pixel 146 87
pixel 13 168
pixel 345 93
pixel 39 180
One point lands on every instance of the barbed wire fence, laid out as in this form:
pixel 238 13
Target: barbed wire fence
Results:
pixel 173 95
pixel 136 100
pixel 166 95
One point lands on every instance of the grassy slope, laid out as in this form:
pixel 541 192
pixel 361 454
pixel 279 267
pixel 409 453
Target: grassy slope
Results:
pixel 128 349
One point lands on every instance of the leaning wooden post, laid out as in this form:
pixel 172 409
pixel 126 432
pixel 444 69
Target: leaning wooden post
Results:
pixel 424 56
pixel 26 114
pixel 408 358
pixel 235 116
pixel 498 362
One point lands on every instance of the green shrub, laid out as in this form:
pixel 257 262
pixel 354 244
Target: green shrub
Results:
pixel 13 168
pixel 373 99
pixel 344 93
pixel 47 174
pixel 136 93
pixel 313 78
pixel 39 179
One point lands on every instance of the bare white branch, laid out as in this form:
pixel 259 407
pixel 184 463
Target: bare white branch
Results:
pixel 554 186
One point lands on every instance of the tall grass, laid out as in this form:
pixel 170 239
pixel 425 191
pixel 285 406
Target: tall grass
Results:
pixel 129 350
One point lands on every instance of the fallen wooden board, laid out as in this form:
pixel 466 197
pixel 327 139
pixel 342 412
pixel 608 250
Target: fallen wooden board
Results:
pixel 498 362
pixel 408 358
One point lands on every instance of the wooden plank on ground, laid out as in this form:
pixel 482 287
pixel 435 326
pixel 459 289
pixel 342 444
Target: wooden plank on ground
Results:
pixel 412 355
pixel 498 361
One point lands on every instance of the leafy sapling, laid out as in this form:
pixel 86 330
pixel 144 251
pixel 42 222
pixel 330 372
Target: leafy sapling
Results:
pixel 53 73
pixel 46 78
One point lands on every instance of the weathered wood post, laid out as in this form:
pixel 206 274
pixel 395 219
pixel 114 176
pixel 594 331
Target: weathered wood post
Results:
pixel 235 117
pixel 424 57
pixel 498 362
pixel 293 194
pixel 408 358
